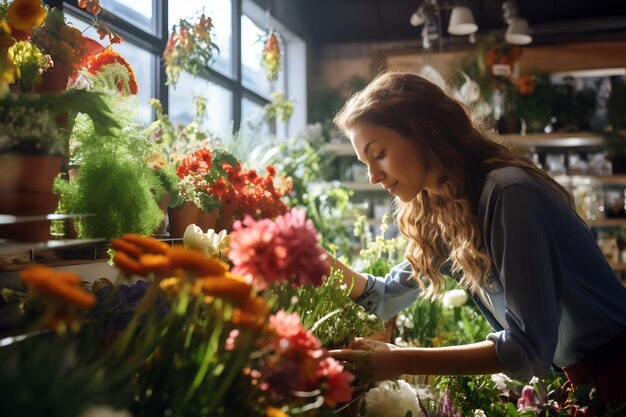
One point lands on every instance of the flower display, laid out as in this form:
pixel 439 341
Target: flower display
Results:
pixel 213 178
pixel 191 334
pixel 271 55
pixel 281 251
pixel 190 47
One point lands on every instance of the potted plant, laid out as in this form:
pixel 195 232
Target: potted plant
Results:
pixel 114 179
pixel 534 101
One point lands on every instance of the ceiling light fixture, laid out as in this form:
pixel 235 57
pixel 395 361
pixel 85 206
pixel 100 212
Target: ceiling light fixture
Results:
pixel 518 31
pixel 462 21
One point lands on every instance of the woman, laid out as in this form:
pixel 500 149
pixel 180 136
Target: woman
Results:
pixel 502 227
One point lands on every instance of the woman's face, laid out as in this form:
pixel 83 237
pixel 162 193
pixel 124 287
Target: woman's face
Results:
pixel 394 161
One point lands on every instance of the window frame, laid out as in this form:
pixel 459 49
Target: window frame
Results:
pixel 155 43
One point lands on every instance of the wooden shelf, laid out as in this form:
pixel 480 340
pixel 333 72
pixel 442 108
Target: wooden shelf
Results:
pixel 618 221
pixel 567 180
pixel 7 246
pixel 12 219
pixel 554 140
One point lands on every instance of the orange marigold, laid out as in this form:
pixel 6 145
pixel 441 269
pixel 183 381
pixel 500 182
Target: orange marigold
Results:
pixel 26 14
pixel 109 56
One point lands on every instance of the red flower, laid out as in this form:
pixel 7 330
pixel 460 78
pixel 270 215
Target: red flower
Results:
pixel 109 56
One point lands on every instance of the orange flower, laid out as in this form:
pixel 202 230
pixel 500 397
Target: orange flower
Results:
pixel 229 286
pixel 26 14
pixel 109 56
pixel 154 263
pixel 61 286
pixel 147 244
pixel 128 248
pixel 128 265
pixel 195 261
pixel 525 84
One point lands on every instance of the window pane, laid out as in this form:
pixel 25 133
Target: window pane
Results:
pixel 253 75
pixel 137 12
pixel 142 62
pixel 252 122
pixel 219 108
pixel 220 13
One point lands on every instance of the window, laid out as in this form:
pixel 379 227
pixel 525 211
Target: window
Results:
pixel 140 12
pixel 235 96
pixel 219 111
pixel 220 11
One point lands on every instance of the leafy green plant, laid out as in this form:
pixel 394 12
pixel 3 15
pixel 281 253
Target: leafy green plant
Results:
pixel 327 310
pixel 114 180
pixel 28 124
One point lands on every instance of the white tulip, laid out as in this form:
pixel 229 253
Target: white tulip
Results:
pixel 454 298
pixel 209 243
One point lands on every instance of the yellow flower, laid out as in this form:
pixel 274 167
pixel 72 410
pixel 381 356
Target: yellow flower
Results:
pixel 275 412
pixel 26 14
pixel 5 35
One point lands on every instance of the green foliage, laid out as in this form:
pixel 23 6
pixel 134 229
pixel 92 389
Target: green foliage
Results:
pixel 328 100
pixel 327 310
pixel 616 105
pixel 469 393
pixel 536 107
pixel 114 180
pixel 28 124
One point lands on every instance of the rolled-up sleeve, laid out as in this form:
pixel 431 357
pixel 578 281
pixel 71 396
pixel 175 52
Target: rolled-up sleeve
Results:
pixel 387 296
pixel 525 254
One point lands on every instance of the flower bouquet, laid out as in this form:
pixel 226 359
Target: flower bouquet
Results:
pixel 194 337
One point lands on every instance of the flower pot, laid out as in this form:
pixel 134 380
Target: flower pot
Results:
pixel 207 220
pixel 27 204
pixel 55 79
pixel 28 173
pixel 181 217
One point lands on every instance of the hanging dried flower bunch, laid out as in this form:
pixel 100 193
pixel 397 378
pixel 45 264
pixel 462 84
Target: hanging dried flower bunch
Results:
pixel 271 57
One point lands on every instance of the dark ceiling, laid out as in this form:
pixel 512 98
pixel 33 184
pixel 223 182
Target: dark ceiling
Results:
pixel 552 21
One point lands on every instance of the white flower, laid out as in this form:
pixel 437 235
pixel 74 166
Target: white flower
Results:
pixel 503 383
pixel 454 298
pixel 209 243
pixel 479 413
pixel 391 399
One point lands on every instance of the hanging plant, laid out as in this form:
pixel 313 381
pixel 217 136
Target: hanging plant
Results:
pixel 271 56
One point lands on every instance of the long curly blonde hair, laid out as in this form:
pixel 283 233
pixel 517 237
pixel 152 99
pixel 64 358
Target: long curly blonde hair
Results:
pixel 444 226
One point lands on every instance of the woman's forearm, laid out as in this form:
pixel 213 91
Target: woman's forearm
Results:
pixel 473 359
pixel 352 279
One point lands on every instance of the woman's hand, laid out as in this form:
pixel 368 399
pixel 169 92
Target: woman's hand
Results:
pixel 370 360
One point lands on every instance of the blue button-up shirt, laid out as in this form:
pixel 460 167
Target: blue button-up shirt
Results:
pixel 552 297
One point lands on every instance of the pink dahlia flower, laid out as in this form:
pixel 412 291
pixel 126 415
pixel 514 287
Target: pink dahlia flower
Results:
pixel 282 251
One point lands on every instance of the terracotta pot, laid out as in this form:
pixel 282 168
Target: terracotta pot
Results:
pixel 55 79
pixel 182 217
pixel 28 173
pixel 27 204
pixel 207 220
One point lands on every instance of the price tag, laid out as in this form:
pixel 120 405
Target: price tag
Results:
pixel 502 70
